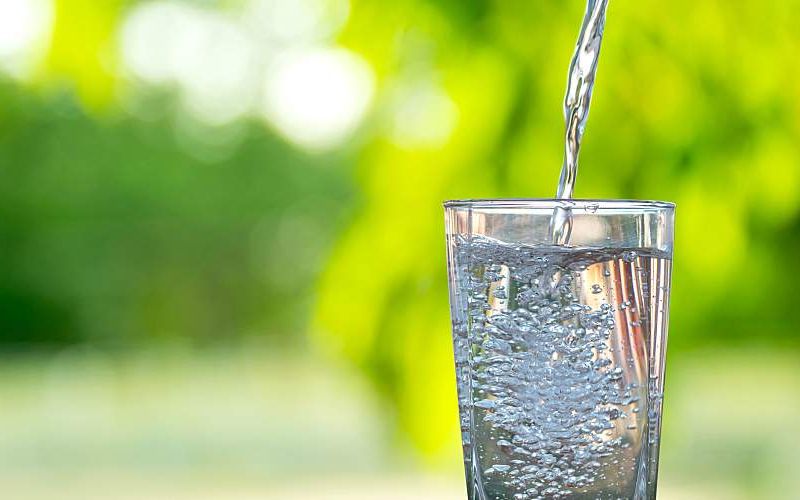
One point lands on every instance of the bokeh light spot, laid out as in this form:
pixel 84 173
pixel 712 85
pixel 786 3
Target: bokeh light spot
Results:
pixel 25 29
pixel 207 56
pixel 149 34
pixel 297 21
pixel 316 98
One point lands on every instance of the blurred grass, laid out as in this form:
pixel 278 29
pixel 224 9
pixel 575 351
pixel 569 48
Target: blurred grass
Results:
pixel 177 422
pixel 176 413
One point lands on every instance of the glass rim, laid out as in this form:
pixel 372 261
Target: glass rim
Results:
pixel 552 203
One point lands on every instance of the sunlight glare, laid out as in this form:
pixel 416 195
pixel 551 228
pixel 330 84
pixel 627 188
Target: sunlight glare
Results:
pixel 317 98
pixel 25 28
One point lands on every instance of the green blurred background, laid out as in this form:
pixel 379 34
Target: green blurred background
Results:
pixel 221 243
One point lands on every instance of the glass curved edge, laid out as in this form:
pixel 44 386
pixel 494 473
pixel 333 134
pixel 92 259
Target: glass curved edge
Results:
pixel 552 203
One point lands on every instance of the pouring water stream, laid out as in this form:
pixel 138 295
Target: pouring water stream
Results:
pixel 580 82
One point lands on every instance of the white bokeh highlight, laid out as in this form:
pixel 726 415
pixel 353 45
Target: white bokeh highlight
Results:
pixel 207 56
pixel 296 22
pixel 316 98
pixel 25 30
pixel 270 59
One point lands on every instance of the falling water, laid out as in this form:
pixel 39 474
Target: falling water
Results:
pixel 582 71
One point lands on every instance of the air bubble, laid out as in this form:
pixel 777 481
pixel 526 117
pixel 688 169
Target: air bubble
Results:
pixel 538 365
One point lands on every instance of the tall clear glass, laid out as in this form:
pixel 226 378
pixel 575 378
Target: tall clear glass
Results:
pixel 559 349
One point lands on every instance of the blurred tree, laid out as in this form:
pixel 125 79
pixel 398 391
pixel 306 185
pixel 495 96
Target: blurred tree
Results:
pixel 691 106
pixel 82 48
pixel 114 234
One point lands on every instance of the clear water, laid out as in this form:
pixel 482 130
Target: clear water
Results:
pixel 558 364
pixel 580 83
pixel 559 349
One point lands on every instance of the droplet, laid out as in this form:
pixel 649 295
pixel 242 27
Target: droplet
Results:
pixel 596 289
pixel 504 445
pixel 629 256
pixel 592 207
pixel 486 404
pixel 500 294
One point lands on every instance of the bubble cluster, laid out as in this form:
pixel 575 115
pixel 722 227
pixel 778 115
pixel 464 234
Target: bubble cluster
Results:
pixel 549 408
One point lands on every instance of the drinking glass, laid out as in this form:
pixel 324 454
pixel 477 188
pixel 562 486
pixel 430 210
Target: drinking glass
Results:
pixel 559 349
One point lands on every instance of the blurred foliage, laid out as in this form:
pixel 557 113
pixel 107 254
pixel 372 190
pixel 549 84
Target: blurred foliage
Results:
pixel 123 221
pixel 692 105
pixel 113 234
pixel 82 47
